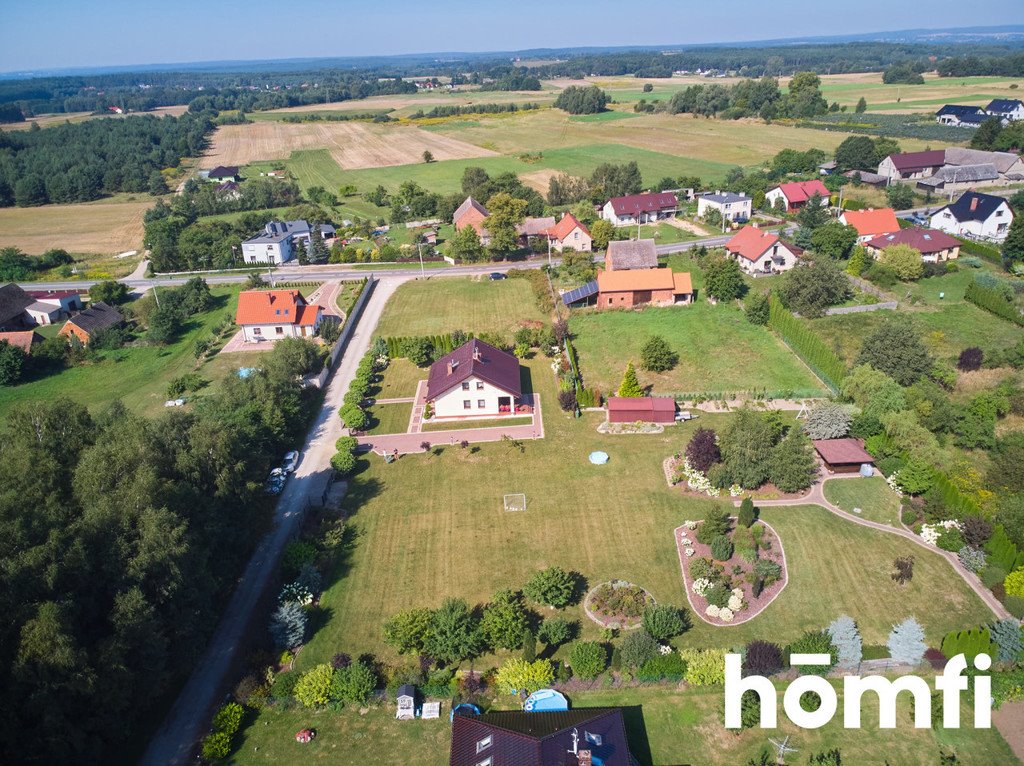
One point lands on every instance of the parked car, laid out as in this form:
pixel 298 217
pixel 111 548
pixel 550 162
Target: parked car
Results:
pixel 275 482
pixel 496 275
pixel 291 460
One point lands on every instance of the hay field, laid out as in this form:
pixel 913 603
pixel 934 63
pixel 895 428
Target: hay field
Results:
pixel 407 103
pixel 352 145
pixel 105 227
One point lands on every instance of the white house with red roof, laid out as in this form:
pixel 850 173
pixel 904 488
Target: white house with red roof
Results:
pixel 268 315
pixel 570 234
pixel 475 380
pixel 640 208
pixel 796 194
pixel 761 252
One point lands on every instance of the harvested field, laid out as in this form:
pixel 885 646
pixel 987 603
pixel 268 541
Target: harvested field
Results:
pixel 46 120
pixel 351 144
pixel 105 227
pixel 539 179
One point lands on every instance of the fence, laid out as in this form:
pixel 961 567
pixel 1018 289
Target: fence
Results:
pixel 351 320
pixel 869 288
pixel 861 309
pixel 751 395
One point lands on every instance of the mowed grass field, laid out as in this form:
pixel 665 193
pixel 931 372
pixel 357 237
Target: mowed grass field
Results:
pixel 719 350
pixel 445 304
pixel 874 498
pixel 105 227
pixel 663 725
pixel 414 547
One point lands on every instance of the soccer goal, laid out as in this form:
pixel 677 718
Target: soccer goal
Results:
pixel 515 502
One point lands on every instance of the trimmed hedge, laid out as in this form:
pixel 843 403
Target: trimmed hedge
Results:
pixel 1002 552
pixel 994 302
pixel 807 345
pixel 971 247
pixel 970 643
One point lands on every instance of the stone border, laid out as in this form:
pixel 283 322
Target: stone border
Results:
pixel 598 620
pixel 609 429
pixel 747 614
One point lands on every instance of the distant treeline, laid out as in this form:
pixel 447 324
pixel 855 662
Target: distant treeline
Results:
pixel 1000 66
pixel 79 162
pixel 456 111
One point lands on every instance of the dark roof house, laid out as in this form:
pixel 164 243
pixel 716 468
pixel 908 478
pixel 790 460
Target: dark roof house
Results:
pixel 912 162
pixel 1004 106
pixel 474 359
pixel 578 737
pixel 925 241
pixel 973 206
pixel 960 111
pixel 13 302
pixel 95 319
pixel 631 254
pixel 223 173
pixel 649 202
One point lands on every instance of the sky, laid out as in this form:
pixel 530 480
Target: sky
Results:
pixel 47 34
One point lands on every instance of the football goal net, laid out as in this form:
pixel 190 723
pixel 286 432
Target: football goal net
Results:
pixel 515 502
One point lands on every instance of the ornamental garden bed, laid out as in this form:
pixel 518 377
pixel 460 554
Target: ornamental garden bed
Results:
pixel 695 484
pixel 617 604
pixel 730 582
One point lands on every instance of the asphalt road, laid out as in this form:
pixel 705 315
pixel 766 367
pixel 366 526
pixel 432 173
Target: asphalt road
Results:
pixel 189 719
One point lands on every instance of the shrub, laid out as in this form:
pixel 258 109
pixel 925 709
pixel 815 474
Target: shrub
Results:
pixel 588 659
pixel 716 523
pixel 756 308
pixel 827 421
pixel 284 684
pixel 903 570
pixel 993 575
pixel 407 630
pixel 906 642
pixel 768 571
pixel 745 516
pixel 637 648
pixel 216 746
pixel 721 548
pixel 553 587
pixel 555 631
pixel 847 640
pixel 354 683
pixel 763 658
pixel 702 568
pixel 567 400
pixel 288 625
pixel 718 595
pixel 1014 583
pixel 976 531
pixel 657 356
pixel 314 688
pixel 1007 636
pixel 702 451
pixel 1015 606
pixel 972 559
pixel 950 540
pixel 343 462
pixel 971 359
pixel 815 642
pixel 667 667
pixel 228 718
pixel 517 675
pixel 704 667
pixel 663 621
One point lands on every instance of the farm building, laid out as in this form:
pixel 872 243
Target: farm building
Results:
pixel 974 214
pixel 222 173
pixel 475 380
pixel 581 737
pixel 89 323
pixel 761 252
pixel 796 194
pixel 911 166
pixel 647 409
pixel 625 254
pixel 470 213
pixel 638 287
pixel 23 339
pixel 273 314
pixel 871 223
pixel 959 178
pixel 842 455
pixel 932 244
pixel 732 207
pixel 13 302
pixel 640 208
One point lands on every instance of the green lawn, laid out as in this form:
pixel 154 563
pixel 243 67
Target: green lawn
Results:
pixel 490 423
pixel 608 116
pixel 442 305
pixel 664 726
pixel 389 418
pixel 399 380
pixel 877 502
pixel 138 376
pixel 719 350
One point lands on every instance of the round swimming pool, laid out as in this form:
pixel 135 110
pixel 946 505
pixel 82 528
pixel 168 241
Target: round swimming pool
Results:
pixel 598 458
pixel 544 700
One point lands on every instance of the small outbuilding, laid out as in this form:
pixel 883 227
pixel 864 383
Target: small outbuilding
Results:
pixel 843 455
pixel 647 409
pixel 406 702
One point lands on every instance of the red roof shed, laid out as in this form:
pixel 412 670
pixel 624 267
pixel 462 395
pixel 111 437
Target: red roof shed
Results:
pixel 843 455
pixel 650 409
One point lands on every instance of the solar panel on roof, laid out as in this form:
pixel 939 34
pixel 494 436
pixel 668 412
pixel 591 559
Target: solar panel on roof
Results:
pixel 580 293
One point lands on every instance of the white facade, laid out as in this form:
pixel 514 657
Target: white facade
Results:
pixel 44 312
pixel 473 398
pixel 776 258
pixel 730 209
pixel 777 193
pixel 267 252
pixel 995 227
pixel 577 240
pixel 256 333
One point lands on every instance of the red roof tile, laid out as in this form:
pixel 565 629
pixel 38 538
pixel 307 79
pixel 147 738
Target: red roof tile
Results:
pixel 565 227
pixel 644 203
pixel 751 242
pixel 923 240
pixel 22 339
pixel 275 307
pixel 872 223
pixel 910 161
pixel 801 191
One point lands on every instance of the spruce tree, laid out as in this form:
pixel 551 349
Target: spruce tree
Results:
pixel 847 640
pixel 1013 247
pixel 906 642
pixel 630 387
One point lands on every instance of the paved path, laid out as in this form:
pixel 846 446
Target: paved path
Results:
pixel 816 496
pixel 408 443
pixel 397 400
pixel 189 718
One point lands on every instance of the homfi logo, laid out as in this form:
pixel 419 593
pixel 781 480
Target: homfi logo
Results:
pixel 951 683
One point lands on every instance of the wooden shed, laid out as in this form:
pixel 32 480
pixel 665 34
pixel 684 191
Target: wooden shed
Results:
pixel 648 409
pixel 843 455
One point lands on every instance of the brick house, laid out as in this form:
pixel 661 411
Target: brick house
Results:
pixel 88 324
pixel 638 287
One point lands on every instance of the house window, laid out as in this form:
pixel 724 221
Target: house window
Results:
pixel 279 330
pixel 481 403
pixel 999 213
pixel 479 385
pixel 483 744
pixel 257 331
pixel 485 762
pixel 465 385
pixel 466 404
pixel 277 312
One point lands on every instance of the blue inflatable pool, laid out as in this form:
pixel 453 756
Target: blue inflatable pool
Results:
pixel 545 700
pixel 598 458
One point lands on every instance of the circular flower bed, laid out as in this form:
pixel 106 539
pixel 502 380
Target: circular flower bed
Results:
pixel 617 604
pixel 738 588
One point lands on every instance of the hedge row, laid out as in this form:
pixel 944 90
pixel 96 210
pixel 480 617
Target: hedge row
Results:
pixel 994 302
pixel 397 343
pixel 585 397
pixel 956 501
pixel 969 643
pixel 1002 552
pixel 971 247
pixel 807 345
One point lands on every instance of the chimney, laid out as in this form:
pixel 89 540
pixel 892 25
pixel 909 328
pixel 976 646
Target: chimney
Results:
pixel 974 204
pixel 584 758
pixel 451 367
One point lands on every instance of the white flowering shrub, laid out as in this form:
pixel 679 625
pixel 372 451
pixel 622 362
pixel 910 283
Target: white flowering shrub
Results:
pixel 737 592
pixel 690 524
pixel 735 603
pixel 687 541
pixel 698 481
pixel 894 483
pixel 297 592
pixel 700 586
pixel 713 611
pixel 664 650
pixel 930 533
pixel 690 551
pixel 735 490
pixel 725 615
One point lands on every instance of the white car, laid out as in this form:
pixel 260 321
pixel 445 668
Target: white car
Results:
pixel 291 460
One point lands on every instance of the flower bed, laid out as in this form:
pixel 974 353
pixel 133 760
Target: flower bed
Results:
pixel 680 475
pixel 630 428
pixel 617 604
pixel 722 592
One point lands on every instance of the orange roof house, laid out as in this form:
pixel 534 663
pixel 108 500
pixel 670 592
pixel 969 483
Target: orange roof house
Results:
pixel 871 223
pixel 272 314
pixel 570 233
pixel 23 339
pixel 636 287
pixel 759 251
